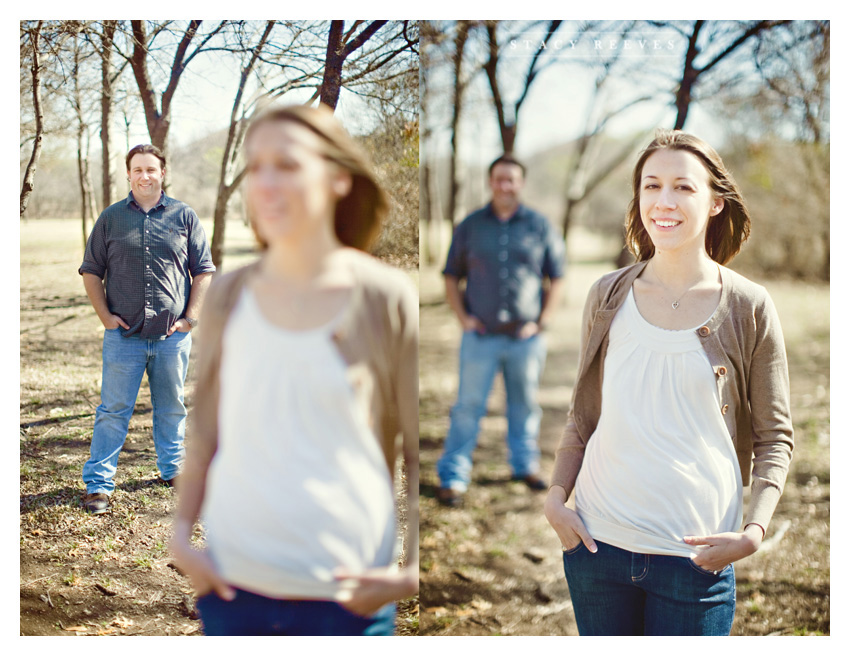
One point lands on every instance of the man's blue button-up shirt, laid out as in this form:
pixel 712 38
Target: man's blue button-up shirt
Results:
pixel 504 264
pixel 149 260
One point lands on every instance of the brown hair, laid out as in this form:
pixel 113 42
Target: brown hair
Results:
pixel 506 159
pixel 145 149
pixel 727 231
pixel 359 214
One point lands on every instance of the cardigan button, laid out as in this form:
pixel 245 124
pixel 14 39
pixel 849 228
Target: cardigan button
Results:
pixel 704 331
pixel 721 371
pixel 724 409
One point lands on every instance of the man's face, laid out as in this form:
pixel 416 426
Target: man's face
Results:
pixel 506 183
pixel 146 175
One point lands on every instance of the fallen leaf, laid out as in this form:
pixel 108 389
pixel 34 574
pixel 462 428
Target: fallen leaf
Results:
pixel 122 622
pixel 437 610
pixel 75 628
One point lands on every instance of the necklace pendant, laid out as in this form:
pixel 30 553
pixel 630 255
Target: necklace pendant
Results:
pixel 675 304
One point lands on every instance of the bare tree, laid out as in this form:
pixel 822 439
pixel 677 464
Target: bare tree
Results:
pixel 430 35
pixel 794 64
pixel 229 180
pixel 340 46
pixel 107 40
pixel 460 84
pixel 158 115
pixel 691 74
pixel 88 208
pixel 352 65
pixel 508 123
pixel 30 36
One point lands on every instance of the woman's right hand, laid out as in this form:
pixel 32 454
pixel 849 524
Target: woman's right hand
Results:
pixel 566 522
pixel 198 566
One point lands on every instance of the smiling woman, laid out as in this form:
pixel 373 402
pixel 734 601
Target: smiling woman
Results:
pixel 693 405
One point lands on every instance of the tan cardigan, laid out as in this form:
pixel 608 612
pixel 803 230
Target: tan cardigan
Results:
pixel 378 338
pixel 744 344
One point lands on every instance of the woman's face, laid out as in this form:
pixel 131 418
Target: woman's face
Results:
pixel 676 200
pixel 291 189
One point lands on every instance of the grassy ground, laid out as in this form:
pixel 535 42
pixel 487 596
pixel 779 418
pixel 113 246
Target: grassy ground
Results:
pixel 82 574
pixel 494 567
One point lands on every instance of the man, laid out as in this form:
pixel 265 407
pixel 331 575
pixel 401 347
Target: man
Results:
pixel 506 253
pixel 154 254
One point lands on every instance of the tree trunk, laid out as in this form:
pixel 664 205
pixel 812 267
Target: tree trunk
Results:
pixel 29 175
pixel 425 212
pixel 158 119
pixel 235 136
pixel 334 59
pixel 425 217
pixel 106 99
pixel 81 174
pixel 457 107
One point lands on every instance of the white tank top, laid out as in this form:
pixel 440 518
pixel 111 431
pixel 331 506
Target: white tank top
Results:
pixel 661 464
pixel 299 484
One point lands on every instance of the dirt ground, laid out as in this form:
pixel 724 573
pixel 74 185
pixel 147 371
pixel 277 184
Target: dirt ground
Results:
pixel 80 574
pixel 494 566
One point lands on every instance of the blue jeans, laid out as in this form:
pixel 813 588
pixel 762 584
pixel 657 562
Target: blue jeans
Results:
pixel 125 360
pixel 617 592
pixel 481 357
pixel 251 614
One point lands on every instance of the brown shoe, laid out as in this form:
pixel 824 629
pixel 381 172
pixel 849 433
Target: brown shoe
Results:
pixel 449 497
pixel 96 503
pixel 533 481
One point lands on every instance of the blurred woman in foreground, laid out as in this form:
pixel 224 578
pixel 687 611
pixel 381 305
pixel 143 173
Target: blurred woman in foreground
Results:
pixel 308 372
pixel 682 393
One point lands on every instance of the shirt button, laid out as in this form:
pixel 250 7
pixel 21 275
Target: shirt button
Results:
pixel 704 331
pixel 724 409
pixel 721 371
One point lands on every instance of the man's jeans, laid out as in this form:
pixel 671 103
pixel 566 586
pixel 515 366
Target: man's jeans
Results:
pixel 251 614
pixel 618 592
pixel 125 360
pixel 481 357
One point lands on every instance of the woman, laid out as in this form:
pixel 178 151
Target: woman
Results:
pixel 682 389
pixel 307 374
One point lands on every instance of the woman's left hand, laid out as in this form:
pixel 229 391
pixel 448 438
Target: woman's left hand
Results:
pixel 377 587
pixel 724 548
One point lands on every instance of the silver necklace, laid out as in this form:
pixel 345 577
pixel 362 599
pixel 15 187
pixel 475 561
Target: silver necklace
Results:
pixel 674 304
